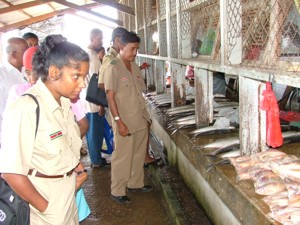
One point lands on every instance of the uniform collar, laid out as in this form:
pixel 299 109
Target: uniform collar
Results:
pixel 113 51
pixel 48 97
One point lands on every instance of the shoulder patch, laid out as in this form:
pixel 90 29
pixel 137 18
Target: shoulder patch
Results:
pixel 114 61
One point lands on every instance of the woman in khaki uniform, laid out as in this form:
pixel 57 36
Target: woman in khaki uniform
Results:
pixel 124 85
pixel 40 166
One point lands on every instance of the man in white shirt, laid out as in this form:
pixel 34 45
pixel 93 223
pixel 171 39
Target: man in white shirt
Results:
pixel 11 70
pixel 94 113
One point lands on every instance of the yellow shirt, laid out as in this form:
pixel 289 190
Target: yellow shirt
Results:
pixel 55 149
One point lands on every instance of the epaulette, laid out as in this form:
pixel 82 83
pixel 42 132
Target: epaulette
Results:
pixel 114 61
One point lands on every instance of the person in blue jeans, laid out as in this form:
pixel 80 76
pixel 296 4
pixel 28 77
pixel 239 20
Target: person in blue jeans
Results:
pixel 94 113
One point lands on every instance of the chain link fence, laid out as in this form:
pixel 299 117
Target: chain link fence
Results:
pixel 199 22
pixel 270 33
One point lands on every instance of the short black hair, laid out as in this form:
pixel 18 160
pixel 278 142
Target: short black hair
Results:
pixel 29 35
pixel 118 32
pixel 129 37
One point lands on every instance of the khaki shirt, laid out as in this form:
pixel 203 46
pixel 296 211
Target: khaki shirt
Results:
pixel 111 54
pixel 55 149
pixel 128 93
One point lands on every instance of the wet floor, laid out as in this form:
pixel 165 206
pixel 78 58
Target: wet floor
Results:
pixel 146 208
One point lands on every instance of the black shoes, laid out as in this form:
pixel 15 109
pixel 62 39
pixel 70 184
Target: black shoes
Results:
pixel 103 163
pixel 121 199
pixel 146 188
pixel 125 200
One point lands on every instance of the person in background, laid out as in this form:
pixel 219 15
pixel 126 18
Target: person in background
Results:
pixel 112 54
pixel 42 164
pixel 94 113
pixel 31 38
pixel 219 83
pixel 101 54
pixel 10 70
pixel 124 85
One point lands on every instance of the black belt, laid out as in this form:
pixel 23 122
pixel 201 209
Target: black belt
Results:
pixel 38 174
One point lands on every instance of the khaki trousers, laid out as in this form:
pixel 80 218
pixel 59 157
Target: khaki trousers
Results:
pixel 127 162
pixel 60 193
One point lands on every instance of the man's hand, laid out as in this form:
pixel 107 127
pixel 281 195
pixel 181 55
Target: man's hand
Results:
pixel 122 128
pixel 101 111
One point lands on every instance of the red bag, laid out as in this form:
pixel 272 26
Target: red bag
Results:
pixel 269 103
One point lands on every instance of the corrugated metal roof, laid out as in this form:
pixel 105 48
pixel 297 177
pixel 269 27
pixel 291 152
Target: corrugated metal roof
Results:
pixel 16 14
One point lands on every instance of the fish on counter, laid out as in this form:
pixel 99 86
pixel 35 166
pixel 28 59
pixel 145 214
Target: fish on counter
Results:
pixel 211 130
pixel 222 142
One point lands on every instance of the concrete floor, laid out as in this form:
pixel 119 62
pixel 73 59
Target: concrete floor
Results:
pixel 171 201
pixel 145 209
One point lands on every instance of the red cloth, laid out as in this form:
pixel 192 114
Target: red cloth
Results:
pixel 269 103
pixel 27 57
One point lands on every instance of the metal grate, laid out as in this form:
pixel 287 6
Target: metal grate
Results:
pixel 163 39
pixel 173 5
pixel 162 7
pixel 151 45
pixel 142 44
pixel 150 11
pixel 140 14
pixel 204 26
pixel 174 39
pixel 131 18
pixel 270 33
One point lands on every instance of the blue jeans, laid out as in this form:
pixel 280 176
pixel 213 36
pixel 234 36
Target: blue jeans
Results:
pixel 109 137
pixel 94 137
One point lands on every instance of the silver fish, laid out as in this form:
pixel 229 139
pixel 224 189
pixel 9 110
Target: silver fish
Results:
pixel 223 142
pixel 223 149
pixel 210 129
pixel 232 154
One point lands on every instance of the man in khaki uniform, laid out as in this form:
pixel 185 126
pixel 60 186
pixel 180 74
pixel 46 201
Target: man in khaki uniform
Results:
pixel 112 52
pixel 124 85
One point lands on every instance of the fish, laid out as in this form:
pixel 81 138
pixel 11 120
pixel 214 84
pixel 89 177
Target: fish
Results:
pixel 211 130
pixel 181 110
pixel 231 154
pixel 271 188
pixel 224 149
pixel 290 137
pixel 224 103
pixel 223 142
pixel 178 108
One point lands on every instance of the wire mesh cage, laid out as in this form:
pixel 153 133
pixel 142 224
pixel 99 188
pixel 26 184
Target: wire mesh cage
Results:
pixel 162 7
pixel 172 5
pixel 142 49
pixel 131 18
pixel 140 14
pixel 201 19
pixel 270 33
pixel 150 11
pixel 152 40
pixel 174 37
pixel 163 39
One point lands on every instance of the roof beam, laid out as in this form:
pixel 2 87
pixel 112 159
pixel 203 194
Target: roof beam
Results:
pixel 30 21
pixel 40 18
pixel 118 6
pixel 81 8
pixel 12 8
